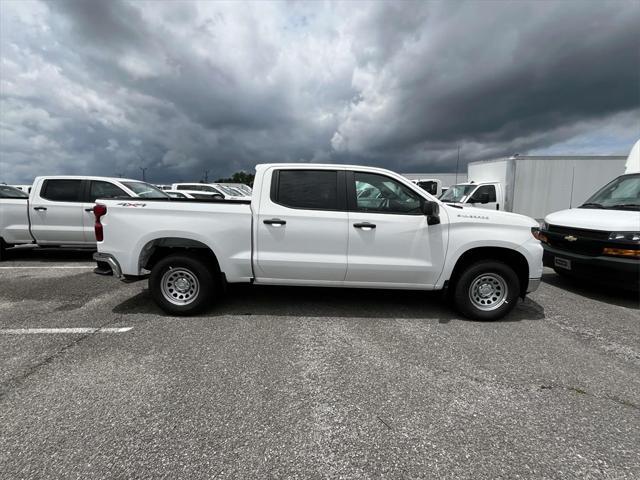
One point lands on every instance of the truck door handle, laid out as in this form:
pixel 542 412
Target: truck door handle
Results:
pixel 365 225
pixel 39 208
pixel 276 222
pixel 88 209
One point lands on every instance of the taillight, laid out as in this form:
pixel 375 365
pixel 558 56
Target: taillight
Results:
pixel 99 210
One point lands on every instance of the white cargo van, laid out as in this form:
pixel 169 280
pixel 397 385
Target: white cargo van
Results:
pixel 600 240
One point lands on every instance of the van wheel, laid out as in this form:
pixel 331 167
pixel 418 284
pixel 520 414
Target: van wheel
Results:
pixel 182 284
pixel 486 290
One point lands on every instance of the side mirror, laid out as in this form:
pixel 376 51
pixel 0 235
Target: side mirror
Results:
pixel 432 212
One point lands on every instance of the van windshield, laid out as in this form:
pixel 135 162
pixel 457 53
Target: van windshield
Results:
pixel 623 193
pixel 456 193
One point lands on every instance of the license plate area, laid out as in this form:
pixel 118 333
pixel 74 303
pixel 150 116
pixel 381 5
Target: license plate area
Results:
pixel 562 263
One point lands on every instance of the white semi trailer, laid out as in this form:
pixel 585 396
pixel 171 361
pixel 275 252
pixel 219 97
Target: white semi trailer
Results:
pixel 534 185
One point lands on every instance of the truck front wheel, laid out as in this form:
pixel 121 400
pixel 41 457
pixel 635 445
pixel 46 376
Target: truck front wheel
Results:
pixel 486 290
pixel 182 284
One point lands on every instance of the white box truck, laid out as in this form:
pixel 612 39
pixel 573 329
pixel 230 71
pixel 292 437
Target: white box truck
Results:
pixel 534 185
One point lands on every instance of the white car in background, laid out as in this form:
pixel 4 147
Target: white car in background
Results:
pixel 193 194
pixel 196 187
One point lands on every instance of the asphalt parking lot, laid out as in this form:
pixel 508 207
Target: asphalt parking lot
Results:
pixel 310 383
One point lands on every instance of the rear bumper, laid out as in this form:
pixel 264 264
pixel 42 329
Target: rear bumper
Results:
pixel 615 271
pixel 109 261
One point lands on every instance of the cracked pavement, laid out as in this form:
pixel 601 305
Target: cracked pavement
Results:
pixel 312 383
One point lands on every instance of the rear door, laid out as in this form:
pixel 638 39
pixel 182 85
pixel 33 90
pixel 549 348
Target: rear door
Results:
pixel 97 189
pixel 301 231
pixel 56 212
pixel 390 241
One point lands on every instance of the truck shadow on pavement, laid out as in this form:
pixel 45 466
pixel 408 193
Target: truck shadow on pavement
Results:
pixel 598 292
pixel 48 255
pixel 329 302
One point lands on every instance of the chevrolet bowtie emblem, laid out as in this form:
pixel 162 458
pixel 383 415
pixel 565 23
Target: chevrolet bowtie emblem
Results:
pixel 570 238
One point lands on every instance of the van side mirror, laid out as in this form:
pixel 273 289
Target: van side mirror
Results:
pixel 432 211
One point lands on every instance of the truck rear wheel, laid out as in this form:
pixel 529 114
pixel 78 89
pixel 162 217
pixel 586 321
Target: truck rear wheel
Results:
pixel 486 290
pixel 182 284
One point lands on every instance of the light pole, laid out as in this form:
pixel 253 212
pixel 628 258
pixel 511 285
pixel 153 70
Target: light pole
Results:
pixel 144 171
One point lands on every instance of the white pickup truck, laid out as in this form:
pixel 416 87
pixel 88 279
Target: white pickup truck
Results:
pixel 59 210
pixel 307 225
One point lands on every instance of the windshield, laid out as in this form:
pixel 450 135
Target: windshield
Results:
pixel 7 191
pixel 623 193
pixel 456 193
pixel 145 190
pixel 230 191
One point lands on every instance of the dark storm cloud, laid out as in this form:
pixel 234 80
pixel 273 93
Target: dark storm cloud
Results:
pixel 106 87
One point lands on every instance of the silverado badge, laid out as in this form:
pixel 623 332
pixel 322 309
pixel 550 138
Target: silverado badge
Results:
pixel 570 238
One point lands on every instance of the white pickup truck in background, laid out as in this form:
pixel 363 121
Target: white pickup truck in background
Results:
pixel 59 210
pixel 306 225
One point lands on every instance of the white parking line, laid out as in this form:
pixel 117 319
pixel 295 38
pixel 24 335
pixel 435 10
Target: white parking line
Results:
pixel 44 266
pixel 26 331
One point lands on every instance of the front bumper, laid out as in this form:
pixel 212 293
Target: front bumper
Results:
pixel 622 272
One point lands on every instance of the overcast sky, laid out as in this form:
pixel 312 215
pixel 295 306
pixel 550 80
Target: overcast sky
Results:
pixel 104 87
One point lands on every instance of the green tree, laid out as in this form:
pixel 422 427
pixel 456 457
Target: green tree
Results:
pixel 238 177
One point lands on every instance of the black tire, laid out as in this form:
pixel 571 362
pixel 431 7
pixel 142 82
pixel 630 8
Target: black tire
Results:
pixel 490 281
pixel 3 250
pixel 194 294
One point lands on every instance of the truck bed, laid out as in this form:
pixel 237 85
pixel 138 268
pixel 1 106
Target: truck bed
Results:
pixel 223 226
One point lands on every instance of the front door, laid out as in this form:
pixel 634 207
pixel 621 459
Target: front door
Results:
pixel 390 242
pixel 302 227
pixel 484 197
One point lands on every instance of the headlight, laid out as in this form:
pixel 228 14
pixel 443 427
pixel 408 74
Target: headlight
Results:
pixel 535 231
pixel 625 236
pixel 544 226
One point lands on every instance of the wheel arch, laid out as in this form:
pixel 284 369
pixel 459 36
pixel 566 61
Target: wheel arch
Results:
pixel 511 257
pixel 157 249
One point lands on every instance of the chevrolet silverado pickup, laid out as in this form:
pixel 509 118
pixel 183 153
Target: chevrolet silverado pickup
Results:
pixel 321 225
pixel 59 210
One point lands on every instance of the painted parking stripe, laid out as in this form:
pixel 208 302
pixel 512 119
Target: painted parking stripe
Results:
pixel 45 266
pixel 27 331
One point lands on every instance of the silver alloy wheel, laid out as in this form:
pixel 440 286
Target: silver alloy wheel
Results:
pixel 488 292
pixel 179 286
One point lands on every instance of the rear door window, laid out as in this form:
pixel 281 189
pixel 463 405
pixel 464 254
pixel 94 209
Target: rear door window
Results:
pixel 306 189
pixel 101 189
pixel 61 190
